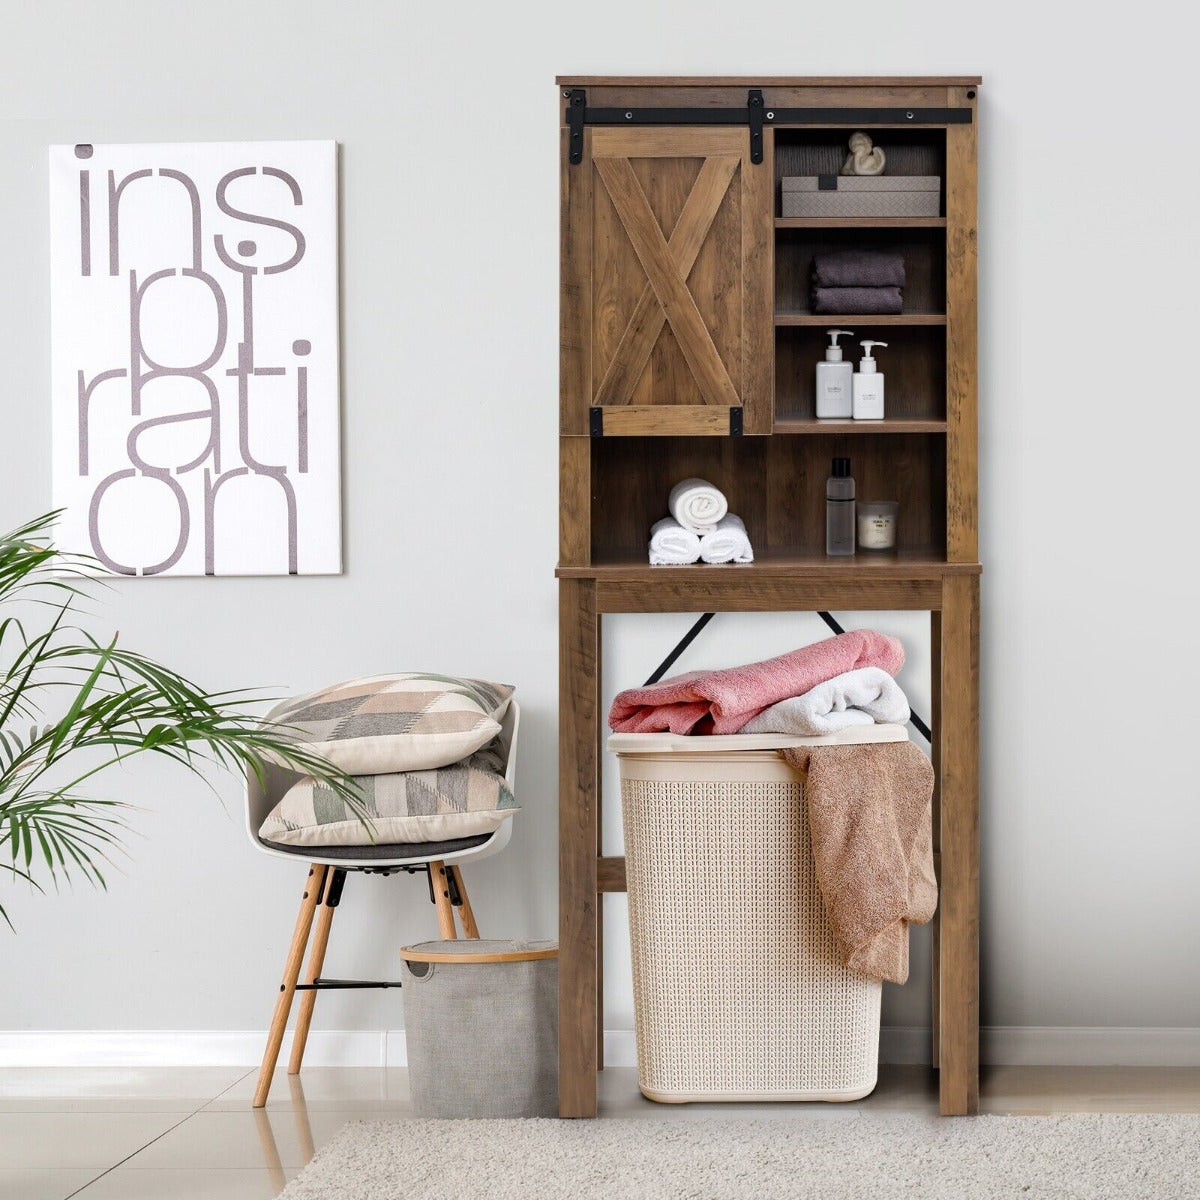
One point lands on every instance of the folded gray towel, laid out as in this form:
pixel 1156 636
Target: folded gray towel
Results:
pixel 849 301
pixel 858 268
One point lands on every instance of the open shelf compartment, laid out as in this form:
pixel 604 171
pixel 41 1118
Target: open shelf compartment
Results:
pixel 823 151
pixel 913 366
pixel 923 250
pixel 775 484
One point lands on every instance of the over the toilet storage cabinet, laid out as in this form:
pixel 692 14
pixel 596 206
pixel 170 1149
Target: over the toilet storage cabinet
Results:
pixel 688 348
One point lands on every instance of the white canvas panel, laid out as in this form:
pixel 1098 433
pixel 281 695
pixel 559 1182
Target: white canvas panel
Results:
pixel 195 356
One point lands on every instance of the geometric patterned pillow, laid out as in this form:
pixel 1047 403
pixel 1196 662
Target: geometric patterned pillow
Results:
pixel 458 801
pixel 389 723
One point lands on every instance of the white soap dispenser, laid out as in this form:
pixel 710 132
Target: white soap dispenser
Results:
pixel 834 379
pixel 868 386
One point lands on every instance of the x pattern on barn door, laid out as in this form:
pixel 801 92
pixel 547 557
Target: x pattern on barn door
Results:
pixel 681 284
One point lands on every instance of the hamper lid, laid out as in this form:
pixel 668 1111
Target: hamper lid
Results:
pixel 679 743
pixel 479 950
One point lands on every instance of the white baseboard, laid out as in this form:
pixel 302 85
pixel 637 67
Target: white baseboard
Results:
pixel 1083 1046
pixel 193 1048
pixel 1003 1045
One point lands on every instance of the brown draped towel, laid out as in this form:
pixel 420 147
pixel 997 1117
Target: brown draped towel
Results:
pixel 870 816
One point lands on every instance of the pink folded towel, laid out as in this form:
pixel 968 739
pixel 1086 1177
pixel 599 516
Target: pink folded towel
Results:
pixel 723 701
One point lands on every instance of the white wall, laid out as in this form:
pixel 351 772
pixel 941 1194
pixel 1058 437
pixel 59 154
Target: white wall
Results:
pixel 447 119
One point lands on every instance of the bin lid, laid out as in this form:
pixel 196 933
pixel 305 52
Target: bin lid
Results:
pixel 862 183
pixel 679 743
pixel 479 950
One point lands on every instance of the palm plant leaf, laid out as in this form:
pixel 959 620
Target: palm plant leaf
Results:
pixel 91 705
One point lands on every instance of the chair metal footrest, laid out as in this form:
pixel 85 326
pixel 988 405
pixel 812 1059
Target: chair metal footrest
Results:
pixel 321 985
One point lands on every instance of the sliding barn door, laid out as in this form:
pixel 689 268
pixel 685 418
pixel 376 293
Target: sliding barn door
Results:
pixel 668 296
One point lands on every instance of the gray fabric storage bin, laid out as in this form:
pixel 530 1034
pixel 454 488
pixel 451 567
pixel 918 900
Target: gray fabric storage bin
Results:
pixel 861 195
pixel 481 1024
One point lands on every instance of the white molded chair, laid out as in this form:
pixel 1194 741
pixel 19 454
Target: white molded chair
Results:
pixel 328 866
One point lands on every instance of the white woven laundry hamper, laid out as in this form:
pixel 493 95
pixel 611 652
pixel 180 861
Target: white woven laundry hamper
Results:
pixel 738 993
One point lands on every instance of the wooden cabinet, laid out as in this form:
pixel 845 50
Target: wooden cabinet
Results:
pixel 689 347
pixel 668 284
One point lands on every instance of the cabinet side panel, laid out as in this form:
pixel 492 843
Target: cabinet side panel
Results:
pixel 575 500
pixel 962 454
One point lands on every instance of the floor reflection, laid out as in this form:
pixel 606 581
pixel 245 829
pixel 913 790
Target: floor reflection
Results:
pixel 266 1133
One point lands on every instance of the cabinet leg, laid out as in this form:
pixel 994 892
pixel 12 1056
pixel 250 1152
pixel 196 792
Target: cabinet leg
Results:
pixel 958 939
pixel 578 811
pixel 935 754
pixel 599 854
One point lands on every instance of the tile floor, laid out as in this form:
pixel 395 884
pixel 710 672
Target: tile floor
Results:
pixel 189 1133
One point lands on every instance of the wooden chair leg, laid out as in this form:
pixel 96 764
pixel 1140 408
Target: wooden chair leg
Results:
pixel 334 880
pixel 465 913
pixel 287 989
pixel 441 901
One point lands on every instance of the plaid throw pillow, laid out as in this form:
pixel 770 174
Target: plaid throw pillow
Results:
pixel 388 723
pixel 459 801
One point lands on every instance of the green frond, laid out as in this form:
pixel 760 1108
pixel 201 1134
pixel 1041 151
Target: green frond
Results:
pixel 105 704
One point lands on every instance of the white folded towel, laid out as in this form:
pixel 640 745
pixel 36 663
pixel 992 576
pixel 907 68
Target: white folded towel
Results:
pixel 861 697
pixel 729 542
pixel 671 545
pixel 697 505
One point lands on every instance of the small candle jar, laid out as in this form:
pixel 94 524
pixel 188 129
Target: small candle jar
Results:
pixel 877 524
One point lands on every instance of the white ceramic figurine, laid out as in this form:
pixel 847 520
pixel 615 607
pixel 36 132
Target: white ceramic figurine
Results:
pixel 863 159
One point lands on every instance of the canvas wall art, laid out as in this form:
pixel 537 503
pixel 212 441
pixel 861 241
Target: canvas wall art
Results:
pixel 194 294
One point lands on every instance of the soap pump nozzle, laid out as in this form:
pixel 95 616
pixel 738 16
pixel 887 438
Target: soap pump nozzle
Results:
pixel 833 352
pixel 867 365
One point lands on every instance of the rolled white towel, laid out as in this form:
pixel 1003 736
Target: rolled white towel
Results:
pixel 697 505
pixel 671 545
pixel 863 697
pixel 729 542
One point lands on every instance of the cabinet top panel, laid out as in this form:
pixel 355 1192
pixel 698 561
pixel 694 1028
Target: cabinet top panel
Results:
pixel 769 80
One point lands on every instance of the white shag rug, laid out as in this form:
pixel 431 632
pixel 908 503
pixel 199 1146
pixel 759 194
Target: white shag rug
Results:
pixel 1094 1156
